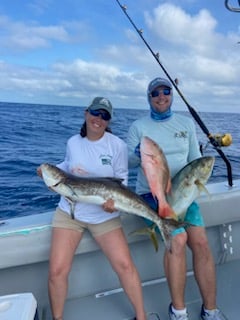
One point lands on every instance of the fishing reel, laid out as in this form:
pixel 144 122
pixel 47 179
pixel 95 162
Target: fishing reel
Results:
pixel 218 140
pixel 222 140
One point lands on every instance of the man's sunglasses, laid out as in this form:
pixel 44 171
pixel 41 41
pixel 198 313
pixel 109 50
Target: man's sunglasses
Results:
pixel 96 113
pixel 156 93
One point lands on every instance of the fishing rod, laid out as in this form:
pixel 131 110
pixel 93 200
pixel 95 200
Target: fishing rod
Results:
pixel 223 140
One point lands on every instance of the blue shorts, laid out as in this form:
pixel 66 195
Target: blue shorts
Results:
pixel 193 214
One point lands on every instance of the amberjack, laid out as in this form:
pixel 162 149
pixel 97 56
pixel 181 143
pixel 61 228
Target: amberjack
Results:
pixel 156 170
pixel 98 190
pixel 189 183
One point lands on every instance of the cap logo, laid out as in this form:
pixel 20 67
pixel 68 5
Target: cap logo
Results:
pixel 105 102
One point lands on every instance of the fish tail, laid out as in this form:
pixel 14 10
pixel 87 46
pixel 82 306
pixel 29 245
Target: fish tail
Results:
pixel 149 231
pixel 166 236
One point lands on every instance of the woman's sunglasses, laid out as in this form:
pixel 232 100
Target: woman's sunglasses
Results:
pixel 156 93
pixel 96 113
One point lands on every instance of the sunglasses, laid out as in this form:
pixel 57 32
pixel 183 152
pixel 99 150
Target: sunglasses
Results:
pixel 156 93
pixel 104 115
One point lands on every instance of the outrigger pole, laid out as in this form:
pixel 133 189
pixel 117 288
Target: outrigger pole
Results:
pixel 231 8
pixel 216 144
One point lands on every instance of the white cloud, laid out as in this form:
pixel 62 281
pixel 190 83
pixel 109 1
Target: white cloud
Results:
pixel 76 79
pixel 177 27
pixel 19 35
pixel 39 6
pixel 205 61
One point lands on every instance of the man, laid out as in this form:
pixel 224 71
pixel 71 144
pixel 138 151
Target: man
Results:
pixel 176 135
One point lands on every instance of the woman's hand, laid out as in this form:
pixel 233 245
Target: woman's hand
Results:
pixel 109 206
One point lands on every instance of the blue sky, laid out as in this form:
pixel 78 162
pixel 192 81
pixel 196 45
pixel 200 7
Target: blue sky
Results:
pixel 67 52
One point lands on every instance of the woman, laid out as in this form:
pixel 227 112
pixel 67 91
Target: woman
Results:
pixel 93 152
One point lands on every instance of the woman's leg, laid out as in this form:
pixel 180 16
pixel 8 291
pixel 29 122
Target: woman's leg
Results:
pixel 63 247
pixel 115 247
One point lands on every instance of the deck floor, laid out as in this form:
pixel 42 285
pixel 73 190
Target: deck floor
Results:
pixel 115 306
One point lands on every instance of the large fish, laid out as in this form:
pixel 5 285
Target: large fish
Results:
pixel 156 170
pixel 99 190
pixel 188 184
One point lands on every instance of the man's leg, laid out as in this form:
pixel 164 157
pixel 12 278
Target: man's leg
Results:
pixel 203 265
pixel 175 269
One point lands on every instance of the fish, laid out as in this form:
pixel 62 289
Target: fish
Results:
pixel 156 170
pixel 189 183
pixel 97 190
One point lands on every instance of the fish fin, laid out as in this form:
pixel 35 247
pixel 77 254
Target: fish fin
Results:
pixel 153 237
pixel 114 179
pixel 119 181
pixel 202 187
pixel 140 232
pixel 150 231
pixel 72 205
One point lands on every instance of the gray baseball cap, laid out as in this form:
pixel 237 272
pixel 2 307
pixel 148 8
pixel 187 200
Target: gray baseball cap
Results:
pixel 158 82
pixel 101 103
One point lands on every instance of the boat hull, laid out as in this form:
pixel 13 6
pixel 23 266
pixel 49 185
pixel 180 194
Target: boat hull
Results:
pixel 25 244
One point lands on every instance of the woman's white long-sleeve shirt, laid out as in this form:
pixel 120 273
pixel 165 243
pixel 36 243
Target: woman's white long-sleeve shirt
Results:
pixel 106 157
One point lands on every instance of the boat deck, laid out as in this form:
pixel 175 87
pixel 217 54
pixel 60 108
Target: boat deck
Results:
pixel 113 305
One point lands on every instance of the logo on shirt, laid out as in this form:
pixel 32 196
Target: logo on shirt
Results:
pixel 106 160
pixel 181 134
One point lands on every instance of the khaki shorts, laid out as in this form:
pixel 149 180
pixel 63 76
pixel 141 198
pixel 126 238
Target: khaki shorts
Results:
pixel 62 219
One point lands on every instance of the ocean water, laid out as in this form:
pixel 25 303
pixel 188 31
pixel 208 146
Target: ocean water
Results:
pixel 34 134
